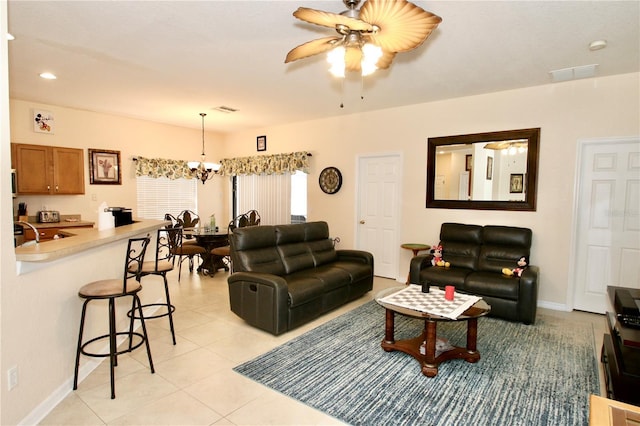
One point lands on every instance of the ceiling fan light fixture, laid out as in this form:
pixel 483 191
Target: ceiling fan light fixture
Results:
pixel 371 54
pixel 392 25
pixel 336 59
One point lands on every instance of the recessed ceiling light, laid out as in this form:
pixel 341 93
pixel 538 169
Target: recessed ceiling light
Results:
pixel 10 36
pixel 597 45
pixel 48 76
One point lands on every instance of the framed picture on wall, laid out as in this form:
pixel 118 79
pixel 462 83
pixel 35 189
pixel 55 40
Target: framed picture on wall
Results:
pixel 43 122
pixel 516 183
pixel 261 143
pixel 468 162
pixel 489 167
pixel 104 167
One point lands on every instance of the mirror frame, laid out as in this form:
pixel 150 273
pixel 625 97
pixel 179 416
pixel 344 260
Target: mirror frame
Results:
pixel 529 204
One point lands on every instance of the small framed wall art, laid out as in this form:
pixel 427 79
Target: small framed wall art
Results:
pixel 261 143
pixel 43 122
pixel 104 167
pixel 489 167
pixel 516 183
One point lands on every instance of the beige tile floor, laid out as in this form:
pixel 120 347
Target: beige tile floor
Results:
pixel 194 383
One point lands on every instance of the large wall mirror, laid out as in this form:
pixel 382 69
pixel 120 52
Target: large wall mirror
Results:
pixel 487 171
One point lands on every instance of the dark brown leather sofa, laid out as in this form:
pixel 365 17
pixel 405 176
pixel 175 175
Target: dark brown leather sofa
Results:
pixel 477 255
pixel 287 275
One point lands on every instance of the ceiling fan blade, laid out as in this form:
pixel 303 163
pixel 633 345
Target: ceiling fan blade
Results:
pixel 385 60
pixel 331 20
pixel 403 25
pixel 497 145
pixel 312 47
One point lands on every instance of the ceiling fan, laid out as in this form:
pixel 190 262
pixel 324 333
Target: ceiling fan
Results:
pixel 368 38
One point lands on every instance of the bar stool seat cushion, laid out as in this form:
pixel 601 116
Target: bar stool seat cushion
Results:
pixel 109 288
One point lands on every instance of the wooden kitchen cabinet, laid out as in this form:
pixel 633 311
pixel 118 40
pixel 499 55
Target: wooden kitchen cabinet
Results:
pixel 48 169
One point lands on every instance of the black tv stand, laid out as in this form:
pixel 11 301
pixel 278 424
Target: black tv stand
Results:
pixel 621 358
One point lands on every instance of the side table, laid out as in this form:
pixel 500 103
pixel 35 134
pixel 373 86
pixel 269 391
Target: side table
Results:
pixel 415 248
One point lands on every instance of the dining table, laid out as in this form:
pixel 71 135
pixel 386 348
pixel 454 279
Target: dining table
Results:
pixel 209 238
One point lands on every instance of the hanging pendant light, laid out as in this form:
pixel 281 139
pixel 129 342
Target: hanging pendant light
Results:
pixel 203 170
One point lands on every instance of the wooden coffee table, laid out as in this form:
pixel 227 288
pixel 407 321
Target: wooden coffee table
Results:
pixel 423 347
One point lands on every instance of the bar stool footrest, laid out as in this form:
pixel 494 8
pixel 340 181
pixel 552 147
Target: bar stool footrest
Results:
pixel 118 352
pixel 171 310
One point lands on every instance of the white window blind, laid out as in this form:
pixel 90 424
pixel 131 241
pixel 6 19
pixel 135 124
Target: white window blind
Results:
pixel 162 195
pixel 270 195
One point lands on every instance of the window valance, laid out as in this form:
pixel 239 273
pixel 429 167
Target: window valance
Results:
pixel 266 164
pixel 162 167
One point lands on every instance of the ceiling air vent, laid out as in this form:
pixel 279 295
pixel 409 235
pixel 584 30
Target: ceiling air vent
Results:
pixel 225 109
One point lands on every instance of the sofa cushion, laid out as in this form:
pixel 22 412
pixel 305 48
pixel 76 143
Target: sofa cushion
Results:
pixel 492 285
pixel 503 247
pixel 304 288
pixel 322 251
pixel 461 244
pixel 253 250
pixel 291 233
pixel 445 276
pixel 357 271
pixel 295 257
pixel 332 276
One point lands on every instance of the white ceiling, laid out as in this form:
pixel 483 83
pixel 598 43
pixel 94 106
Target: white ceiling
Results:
pixel 167 61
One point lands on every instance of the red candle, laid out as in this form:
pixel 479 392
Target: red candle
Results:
pixel 449 290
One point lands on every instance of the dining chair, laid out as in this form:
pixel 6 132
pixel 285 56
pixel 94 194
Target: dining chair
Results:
pixel 110 290
pixel 188 252
pixel 250 218
pixel 188 219
pixel 167 242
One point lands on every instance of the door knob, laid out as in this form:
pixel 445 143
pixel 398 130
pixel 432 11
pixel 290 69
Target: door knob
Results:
pixel 362 222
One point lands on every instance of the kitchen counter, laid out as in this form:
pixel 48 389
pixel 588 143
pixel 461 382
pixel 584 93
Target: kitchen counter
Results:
pixel 62 224
pixel 82 239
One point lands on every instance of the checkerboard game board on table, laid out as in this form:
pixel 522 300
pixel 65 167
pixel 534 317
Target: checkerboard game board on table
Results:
pixel 433 302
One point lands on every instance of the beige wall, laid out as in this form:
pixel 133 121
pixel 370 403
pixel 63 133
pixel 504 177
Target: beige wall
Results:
pixel 566 113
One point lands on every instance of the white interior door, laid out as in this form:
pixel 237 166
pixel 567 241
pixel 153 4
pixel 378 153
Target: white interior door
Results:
pixel 378 198
pixel 607 242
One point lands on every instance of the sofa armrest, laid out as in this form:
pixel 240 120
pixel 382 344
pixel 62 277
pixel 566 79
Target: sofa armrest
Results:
pixel 528 294
pixel 418 263
pixel 355 256
pixel 260 299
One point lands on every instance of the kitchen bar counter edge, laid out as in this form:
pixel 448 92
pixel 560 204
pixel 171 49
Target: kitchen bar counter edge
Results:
pixel 84 239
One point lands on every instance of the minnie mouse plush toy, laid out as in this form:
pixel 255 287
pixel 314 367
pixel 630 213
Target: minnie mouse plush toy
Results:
pixel 437 257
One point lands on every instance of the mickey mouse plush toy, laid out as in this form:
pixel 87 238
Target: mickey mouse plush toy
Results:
pixel 437 257
pixel 517 272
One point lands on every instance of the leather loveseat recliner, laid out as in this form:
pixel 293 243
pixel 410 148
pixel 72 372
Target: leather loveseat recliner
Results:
pixel 287 275
pixel 477 255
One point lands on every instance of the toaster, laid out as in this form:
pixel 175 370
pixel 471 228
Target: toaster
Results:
pixel 48 216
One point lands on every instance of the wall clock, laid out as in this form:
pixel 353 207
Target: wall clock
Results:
pixel 330 180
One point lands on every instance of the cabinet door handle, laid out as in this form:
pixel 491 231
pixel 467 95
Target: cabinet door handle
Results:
pixel 56 188
pixel 48 187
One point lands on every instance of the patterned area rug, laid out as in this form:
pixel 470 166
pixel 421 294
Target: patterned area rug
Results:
pixel 527 375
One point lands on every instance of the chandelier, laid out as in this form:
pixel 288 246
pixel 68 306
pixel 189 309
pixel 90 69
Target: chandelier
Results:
pixel 202 169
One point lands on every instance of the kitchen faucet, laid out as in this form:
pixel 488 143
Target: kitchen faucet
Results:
pixel 35 231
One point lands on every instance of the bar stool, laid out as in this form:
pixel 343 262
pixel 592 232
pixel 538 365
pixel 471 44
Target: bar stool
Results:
pixel 168 240
pixel 111 290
